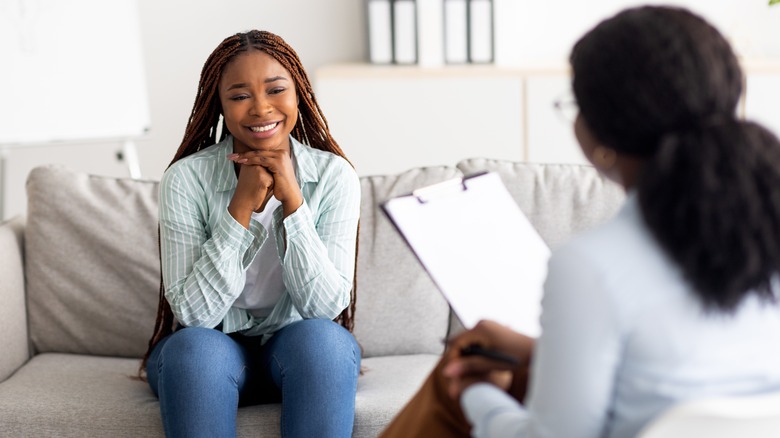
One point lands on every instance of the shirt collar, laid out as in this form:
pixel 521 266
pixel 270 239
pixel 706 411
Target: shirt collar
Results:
pixel 305 167
pixel 225 176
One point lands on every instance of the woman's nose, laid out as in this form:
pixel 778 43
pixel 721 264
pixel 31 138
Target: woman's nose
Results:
pixel 261 106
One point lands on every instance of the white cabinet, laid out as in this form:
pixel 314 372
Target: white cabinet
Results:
pixel 392 118
pixel 550 136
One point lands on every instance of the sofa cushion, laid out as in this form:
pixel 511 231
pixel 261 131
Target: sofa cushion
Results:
pixel 68 395
pixel 13 315
pixel 91 264
pixel 560 200
pixel 399 309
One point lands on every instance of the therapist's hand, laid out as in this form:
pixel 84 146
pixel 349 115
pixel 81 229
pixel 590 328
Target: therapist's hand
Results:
pixel 463 371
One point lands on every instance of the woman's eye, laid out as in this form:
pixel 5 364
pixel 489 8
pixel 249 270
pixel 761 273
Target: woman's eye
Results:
pixel 240 97
pixel 276 90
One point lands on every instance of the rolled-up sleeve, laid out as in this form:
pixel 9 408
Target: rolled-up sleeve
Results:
pixel 319 254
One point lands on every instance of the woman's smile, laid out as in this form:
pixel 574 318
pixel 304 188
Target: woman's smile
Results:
pixel 263 131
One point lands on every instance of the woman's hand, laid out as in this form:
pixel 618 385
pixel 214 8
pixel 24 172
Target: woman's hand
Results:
pixel 277 164
pixel 253 190
pixel 463 371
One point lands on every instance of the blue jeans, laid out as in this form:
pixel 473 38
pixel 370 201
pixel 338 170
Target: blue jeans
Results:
pixel 202 376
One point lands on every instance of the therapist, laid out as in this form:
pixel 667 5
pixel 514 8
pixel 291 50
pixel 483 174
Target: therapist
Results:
pixel 672 300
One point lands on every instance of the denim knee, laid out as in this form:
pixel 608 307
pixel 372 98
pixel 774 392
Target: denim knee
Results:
pixel 315 347
pixel 197 354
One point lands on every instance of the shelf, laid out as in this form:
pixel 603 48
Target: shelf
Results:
pixel 344 71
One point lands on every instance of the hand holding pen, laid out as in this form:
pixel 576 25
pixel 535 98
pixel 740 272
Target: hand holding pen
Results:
pixel 491 353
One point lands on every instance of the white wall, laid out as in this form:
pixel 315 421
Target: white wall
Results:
pixel 546 30
pixel 177 35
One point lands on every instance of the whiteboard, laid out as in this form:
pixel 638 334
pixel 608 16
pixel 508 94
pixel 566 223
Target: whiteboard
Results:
pixel 71 70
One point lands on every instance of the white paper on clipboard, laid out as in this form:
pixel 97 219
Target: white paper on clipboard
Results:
pixel 478 247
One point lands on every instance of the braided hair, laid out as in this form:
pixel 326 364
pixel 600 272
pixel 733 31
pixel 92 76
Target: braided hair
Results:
pixel 202 131
pixel 662 84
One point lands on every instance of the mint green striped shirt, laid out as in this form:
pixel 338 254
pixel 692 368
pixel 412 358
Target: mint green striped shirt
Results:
pixel 205 252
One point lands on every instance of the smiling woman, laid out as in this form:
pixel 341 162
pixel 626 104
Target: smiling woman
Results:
pixel 260 109
pixel 258 242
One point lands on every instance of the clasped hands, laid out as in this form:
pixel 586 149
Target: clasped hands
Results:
pixel 461 371
pixel 263 173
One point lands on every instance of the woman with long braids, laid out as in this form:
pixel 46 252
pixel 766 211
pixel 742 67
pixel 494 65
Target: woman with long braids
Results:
pixel 676 297
pixel 258 242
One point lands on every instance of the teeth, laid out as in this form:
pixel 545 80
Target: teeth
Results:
pixel 263 128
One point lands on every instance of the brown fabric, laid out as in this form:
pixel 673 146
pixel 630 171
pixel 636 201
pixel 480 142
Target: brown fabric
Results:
pixel 430 413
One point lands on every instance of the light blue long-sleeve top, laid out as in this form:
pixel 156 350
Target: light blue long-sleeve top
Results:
pixel 624 338
pixel 205 251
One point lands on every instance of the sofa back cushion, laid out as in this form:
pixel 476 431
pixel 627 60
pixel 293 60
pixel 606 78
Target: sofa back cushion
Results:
pixel 399 309
pixel 92 267
pixel 560 200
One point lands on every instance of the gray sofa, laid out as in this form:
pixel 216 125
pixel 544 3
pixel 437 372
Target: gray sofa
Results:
pixel 79 284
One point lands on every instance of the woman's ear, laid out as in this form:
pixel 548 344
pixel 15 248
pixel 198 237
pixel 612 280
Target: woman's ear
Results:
pixel 603 158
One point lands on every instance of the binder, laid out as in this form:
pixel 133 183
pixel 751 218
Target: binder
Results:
pixel 456 31
pixel 430 33
pixel 380 31
pixel 480 16
pixel 404 31
pixel 479 248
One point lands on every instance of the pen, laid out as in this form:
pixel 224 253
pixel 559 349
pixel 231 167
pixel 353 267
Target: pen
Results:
pixel 476 350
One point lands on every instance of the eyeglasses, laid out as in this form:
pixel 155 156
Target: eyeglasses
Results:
pixel 566 107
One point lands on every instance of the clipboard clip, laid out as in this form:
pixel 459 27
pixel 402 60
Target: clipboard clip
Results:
pixel 425 194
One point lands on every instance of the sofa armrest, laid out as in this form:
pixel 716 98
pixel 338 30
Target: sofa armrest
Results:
pixel 13 311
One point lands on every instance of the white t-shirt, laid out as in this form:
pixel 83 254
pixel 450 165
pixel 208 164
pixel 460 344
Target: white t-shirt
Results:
pixel 264 285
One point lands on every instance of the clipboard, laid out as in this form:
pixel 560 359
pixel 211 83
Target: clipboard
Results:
pixel 479 248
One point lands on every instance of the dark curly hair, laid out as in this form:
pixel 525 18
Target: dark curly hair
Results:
pixel 661 84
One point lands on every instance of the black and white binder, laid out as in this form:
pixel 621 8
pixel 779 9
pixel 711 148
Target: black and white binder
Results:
pixel 478 247
pixel 404 31
pixel 380 31
pixel 456 34
pixel 480 16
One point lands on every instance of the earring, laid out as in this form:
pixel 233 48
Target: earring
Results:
pixel 604 157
